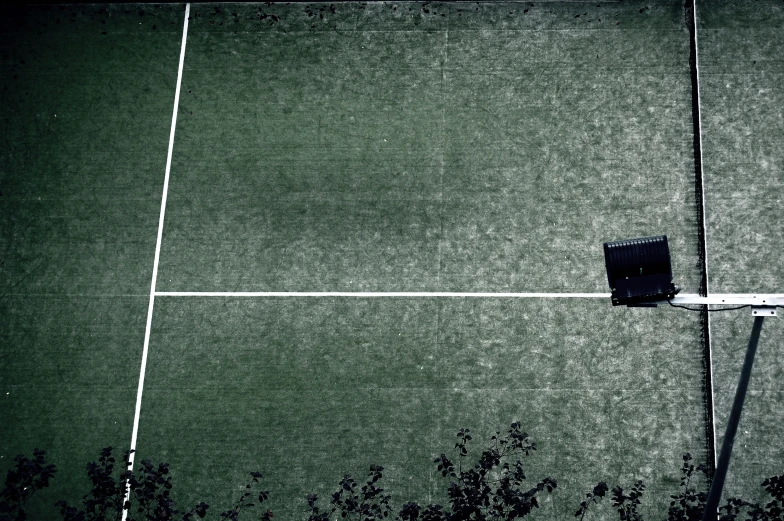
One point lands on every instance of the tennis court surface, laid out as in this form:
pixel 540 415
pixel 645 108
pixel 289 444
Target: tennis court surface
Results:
pixel 325 155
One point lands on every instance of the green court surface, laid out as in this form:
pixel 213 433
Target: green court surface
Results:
pixel 757 453
pixel 389 149
pixel 743 122
pixel 305 390
pixel 86 109
pixel 742 73
pixel 398 146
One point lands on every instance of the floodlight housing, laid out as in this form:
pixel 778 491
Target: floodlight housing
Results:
pixel 639 271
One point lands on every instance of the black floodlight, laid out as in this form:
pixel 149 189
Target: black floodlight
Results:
pixel 639 270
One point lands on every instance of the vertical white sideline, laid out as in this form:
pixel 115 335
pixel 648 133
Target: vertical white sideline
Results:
pixel 705 219
pixel 158 249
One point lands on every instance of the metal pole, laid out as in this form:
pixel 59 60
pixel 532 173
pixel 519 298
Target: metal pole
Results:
pixel 712 507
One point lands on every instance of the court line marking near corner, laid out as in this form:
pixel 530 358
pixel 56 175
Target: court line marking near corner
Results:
pixel 151 304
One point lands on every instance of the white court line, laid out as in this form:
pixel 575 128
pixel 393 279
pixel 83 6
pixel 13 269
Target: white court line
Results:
pixel 157 251
pixel 733 299
pixel 747 295
pixel 373 294
pixel 705 227
pixel 702 163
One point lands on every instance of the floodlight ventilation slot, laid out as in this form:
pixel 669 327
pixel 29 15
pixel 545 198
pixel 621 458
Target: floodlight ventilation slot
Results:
pixel 639 271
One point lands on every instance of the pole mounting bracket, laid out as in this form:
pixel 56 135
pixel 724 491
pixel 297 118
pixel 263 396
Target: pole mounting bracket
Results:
pixel 763 311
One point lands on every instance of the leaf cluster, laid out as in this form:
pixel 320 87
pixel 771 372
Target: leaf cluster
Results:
pixel 149 494
pixel 492 489
pixel 688 504
pixel 22 481
pixel 593 497
pixel 690 501
pixel 771 511
pixel 249 499
pixel 627 504
pixel 368 503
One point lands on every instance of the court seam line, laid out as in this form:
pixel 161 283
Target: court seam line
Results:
pixel 441 148
pixel 148 327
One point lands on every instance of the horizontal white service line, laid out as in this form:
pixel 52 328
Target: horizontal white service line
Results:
pixel 721 299
pixel 368 294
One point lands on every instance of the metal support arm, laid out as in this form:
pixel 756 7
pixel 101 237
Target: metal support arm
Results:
pixel 761 305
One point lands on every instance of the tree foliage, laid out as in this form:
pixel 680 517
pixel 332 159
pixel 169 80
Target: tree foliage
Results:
pixel 26 478
pixel 149 491
pixel 368 503
pixel 493 488
pixel 690 501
